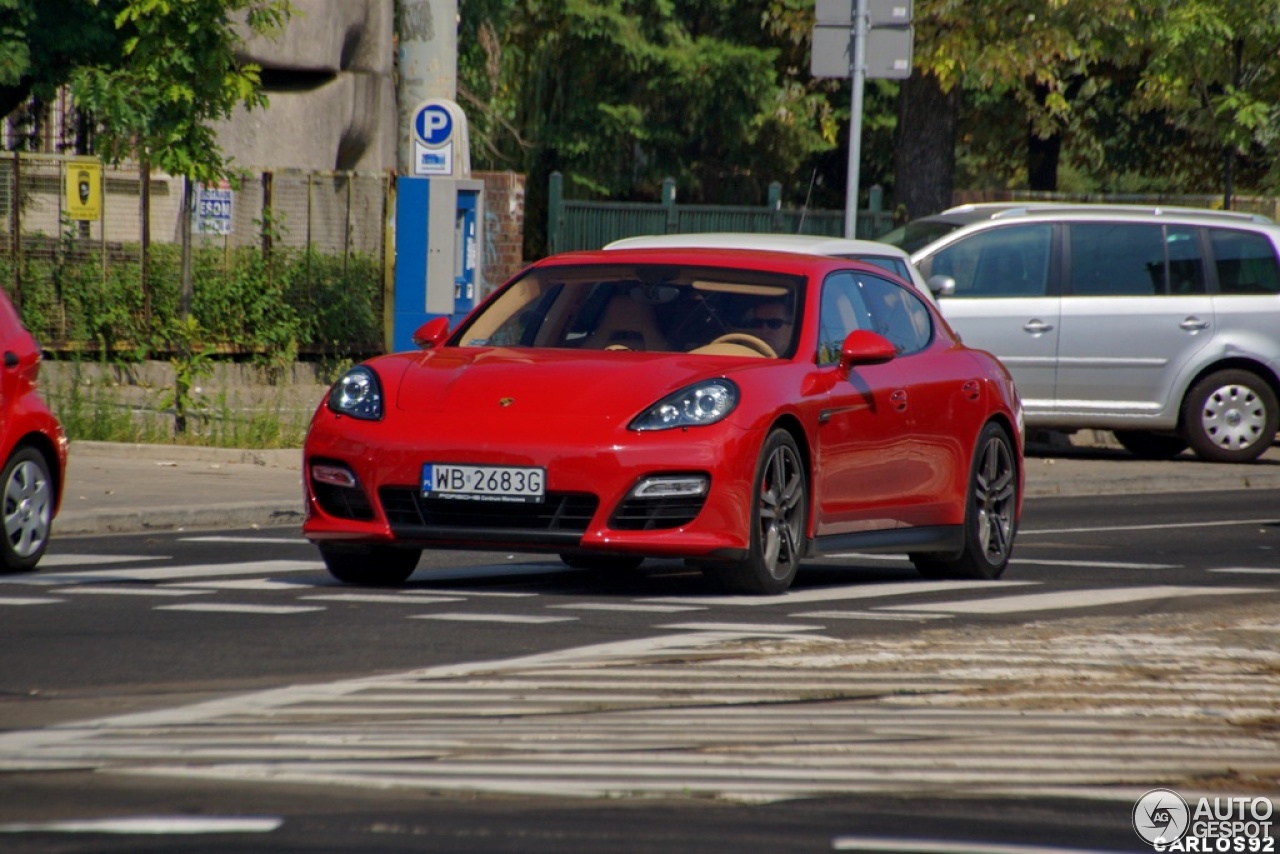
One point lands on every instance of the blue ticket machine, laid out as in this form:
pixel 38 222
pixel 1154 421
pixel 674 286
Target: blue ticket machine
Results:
pixel 438 221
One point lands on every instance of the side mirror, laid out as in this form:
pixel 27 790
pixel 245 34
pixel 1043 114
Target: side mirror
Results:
pixel 941 286
pixel 864 347
pixel 432 333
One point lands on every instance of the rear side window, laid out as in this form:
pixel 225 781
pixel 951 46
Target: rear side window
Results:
pixel 1130 259
pixel 1245 262
pixel 1011 261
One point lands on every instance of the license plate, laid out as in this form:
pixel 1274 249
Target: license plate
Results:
pixel 483 483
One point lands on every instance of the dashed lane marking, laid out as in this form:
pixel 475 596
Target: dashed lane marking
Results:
pixel 1066 599
pixel 493 618
pixel 832 594
pixel 229 608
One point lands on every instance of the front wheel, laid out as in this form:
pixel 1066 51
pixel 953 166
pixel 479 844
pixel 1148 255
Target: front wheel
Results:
pixel 779 511
pixel 990 514
pixel 28 510
pixel 1230 417
pixel 380 566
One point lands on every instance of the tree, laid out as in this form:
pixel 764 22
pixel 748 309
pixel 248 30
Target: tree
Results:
pixel 43 41
pixel 178 73
pixel 618 94
pixel 1212 72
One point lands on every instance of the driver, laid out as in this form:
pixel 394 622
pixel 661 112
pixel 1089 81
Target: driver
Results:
pixel 771 322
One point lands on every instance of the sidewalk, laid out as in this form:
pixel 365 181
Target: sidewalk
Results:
pixel 119 488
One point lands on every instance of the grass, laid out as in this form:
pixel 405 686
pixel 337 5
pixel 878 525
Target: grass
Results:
pixel 108 412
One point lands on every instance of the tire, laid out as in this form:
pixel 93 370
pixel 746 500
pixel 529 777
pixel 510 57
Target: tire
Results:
pixel 1230 417
pixel 990 522
pixel 378 566
pixel 779 513
pixel 602 563
pixel 29 498
pixel 1146 445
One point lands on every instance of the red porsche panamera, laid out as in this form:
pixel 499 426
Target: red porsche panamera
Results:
pixel 741 410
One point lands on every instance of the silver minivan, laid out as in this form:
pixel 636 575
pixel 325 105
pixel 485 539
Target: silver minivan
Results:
pixel 1162 325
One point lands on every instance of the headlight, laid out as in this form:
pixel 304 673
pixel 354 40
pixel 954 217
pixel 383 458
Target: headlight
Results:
pixel 705 403
pixel 357 394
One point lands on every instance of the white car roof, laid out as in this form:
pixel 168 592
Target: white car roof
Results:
pixel 808 244
pixel 805 244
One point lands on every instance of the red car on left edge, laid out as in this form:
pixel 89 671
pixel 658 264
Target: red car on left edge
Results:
pixel 738 409
pixel 32 446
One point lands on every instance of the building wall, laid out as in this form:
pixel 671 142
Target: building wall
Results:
pixel 330 85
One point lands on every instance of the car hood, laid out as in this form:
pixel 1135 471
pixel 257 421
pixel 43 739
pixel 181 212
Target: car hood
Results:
pixel 553 383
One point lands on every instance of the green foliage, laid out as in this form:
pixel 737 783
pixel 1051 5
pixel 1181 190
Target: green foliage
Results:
pixel 178 73
pixel 43 41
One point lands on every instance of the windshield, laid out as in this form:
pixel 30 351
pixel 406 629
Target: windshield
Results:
pixel 650 307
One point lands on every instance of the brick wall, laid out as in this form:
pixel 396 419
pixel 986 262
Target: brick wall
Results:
pixel 503 226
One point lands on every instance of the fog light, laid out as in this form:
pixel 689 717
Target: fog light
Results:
pixel 336 475
pixel 672 486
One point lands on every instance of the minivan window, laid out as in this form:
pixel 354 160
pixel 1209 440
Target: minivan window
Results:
pixel 1012 261
pixel 1246 262
pixel 1116 259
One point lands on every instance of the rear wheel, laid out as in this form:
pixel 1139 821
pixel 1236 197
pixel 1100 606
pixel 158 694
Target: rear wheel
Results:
pixel 1230 417
pixel 990 515
pixel 1151 446
pixel 780 504
pixel 28 510
pixel 380 566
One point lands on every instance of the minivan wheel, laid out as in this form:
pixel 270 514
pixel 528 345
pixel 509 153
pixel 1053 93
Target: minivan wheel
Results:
pixel 1230 417
pixel 1150 446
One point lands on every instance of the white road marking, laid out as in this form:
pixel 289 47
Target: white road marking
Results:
pixel 606 606
pixel 938 846
pixel 1072 599
pixel 392 598
pixel 28 600
pixel 1167 526
pixel 832 594
pixel 243 584
pixel 97 560
pixel 132 591
pixel 163 825
pixel 744 628
pixel 1247 570
pixel 493 618
pixel 229 608
pixel 1092 564
pixel 169 573
pixel 864 615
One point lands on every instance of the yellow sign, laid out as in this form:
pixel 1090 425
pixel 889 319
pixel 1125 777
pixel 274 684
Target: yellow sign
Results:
pixel 83 180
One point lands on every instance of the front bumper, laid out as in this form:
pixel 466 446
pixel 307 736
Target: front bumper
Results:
pixel 591 470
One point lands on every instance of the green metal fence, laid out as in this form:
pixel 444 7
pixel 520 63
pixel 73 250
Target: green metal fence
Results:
pixel 576 224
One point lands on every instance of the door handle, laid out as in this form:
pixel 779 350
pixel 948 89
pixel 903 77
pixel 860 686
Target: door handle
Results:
pixel 1194 324
pixel 898 399
pixel 1037 326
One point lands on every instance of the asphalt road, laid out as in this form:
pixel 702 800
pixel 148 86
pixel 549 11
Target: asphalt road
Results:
pixel 498 703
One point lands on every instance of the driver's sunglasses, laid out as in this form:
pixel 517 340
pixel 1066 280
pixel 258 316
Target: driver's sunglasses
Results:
pixel 770 322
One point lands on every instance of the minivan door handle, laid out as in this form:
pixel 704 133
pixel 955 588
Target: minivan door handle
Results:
pixel 1037 326
pixel 1194 324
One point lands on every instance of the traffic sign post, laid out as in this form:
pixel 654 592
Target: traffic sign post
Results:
pixel 866 38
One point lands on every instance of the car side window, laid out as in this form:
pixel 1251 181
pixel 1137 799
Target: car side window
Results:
pixel 1010 261
pixel 1116 259
pixel 842 311
pixel 1186 260
pixel 896 313
pixel 1245 262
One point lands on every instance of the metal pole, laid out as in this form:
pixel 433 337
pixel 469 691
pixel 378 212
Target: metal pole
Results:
pixel 857 74
pixel 428 63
